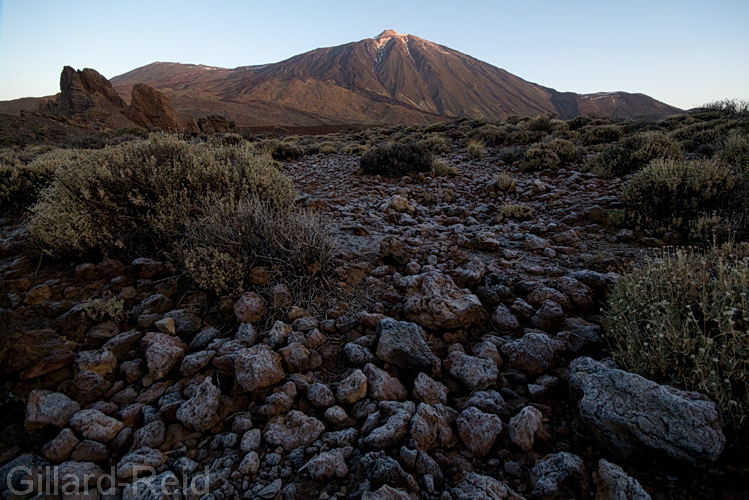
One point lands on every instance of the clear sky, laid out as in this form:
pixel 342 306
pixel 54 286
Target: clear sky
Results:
pixel 683 52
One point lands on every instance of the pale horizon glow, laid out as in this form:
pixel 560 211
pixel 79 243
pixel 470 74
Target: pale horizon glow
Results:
pixel 684 53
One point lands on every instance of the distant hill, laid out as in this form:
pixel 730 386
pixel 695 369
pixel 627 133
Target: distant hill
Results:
pixel 386 79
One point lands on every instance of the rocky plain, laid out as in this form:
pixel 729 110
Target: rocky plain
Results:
pixel 462 356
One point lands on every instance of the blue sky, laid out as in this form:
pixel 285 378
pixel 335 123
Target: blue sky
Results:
pixel 685 53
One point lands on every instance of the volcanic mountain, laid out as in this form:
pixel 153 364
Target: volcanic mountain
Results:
pixel 392 78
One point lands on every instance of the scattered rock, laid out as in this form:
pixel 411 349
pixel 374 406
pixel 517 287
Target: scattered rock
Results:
pixel 327 465
pixel 526 426
pixel 475 373
pixel 258 367
pixel 293 430
pixel 561 475
pixel 435 302
pixel 200 412
pixel 478 430
pixel 250 308
pixel 352 388
pixel 163 353
pixel 403 344
pixel 429 391
pixel 431 427
pixel 95 425
pixel 143 460
pixel 49 408
pixel 382 386
pixel 534 353
pixel 612 483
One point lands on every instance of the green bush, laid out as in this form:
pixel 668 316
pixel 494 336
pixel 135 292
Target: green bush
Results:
pixel 394 160
pixel 21 178
pixel 564 149
pixel 140 195
pixel 600 134
pixel 633 153
pixel 683 321
pixel 539 158
pixel 673 193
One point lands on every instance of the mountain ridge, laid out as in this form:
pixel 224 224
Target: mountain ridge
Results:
pixel 390 78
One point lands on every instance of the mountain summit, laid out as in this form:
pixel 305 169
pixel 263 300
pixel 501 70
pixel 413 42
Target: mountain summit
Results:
pixel 387 79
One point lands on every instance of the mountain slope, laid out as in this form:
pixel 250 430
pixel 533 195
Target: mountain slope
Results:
pixel 386 79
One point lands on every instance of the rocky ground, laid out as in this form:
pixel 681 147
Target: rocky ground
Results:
pixel 468 362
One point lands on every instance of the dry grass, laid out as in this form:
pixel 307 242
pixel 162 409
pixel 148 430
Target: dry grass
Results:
pixel 475 149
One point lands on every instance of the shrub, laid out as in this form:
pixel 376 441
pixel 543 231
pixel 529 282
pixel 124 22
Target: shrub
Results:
pixel 140 195
pixel 491 135
pixel 564 149
pixel 21 182
pixel 436 143
pixel 540 123
pixel 511 155
pixel 475 149
pixel 601 134
pixel 232 236
pixel 683 321
pixel 280 150
pixel 672 193
pixel 633 153
pixel 735 152
pixel 107 307
pixel 539 158
pixel 516 211
pixel 395 160
pixel 355 149
pixel 503 182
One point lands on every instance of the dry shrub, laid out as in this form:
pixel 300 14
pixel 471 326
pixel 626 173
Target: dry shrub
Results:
pixel 23 175
pixel 538 158
pixel 441 168
pixel 139 196
pixel 633 153
pixel 232 236
pixel 515 211
pixel 673 193
pixel 735 152
pixel 683 321
pixel 491 135
pixel 503 182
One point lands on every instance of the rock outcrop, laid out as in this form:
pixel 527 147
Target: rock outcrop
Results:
pixel 151 109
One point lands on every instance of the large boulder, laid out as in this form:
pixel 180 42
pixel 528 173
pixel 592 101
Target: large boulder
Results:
pixel 435 302
pixel 151 109
pixel 629 414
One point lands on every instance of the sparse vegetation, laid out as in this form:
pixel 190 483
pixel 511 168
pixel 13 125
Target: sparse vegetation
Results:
pixel 683 321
